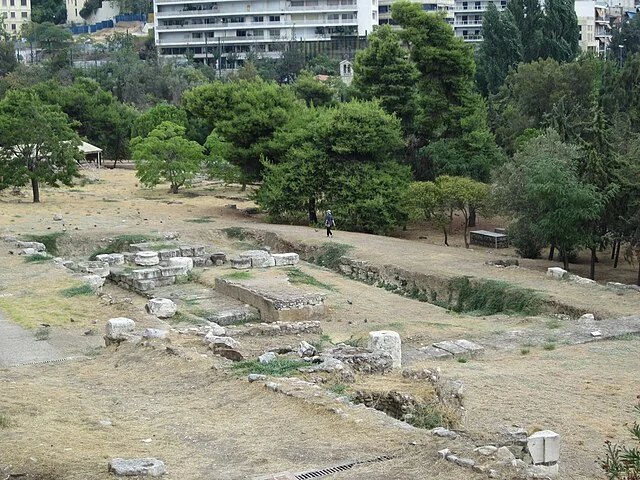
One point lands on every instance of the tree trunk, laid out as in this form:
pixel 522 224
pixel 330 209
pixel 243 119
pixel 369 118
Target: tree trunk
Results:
pixel 613 249
pixel 592 270
pixel 35 187
pixel 114 164
pixel 638 280
pixel 615 263
pixel 466 222
pixel 552 251
pixel 174 188
pixel 565 259
pixel 244 187
pixel 472 216
pixel 313 214
pixel 446 241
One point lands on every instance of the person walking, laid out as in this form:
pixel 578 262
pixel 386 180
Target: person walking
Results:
pixel 329 222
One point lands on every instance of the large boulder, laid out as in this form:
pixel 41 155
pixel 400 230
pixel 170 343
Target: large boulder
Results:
pixel 161 307
pixel 387 341
pixel 119 329
pixel 129 467
pixel 215 341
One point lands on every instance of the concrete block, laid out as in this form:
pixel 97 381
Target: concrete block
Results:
pixel 544 447
pixel 284 259
pixel 137 466
pixel 161 307
pixel 387 341
pixel 146 274
pixel 147 258
pixel 556 272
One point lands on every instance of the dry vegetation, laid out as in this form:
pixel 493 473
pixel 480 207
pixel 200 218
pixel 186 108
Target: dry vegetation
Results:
pixel 66 420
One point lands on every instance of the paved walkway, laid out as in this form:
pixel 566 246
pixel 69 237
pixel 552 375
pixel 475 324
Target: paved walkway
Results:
pixel 19 346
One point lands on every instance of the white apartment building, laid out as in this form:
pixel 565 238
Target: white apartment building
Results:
pixel 15 13
pixel 233 28
pixel 384 9
pixel 108 11
pixel 467 18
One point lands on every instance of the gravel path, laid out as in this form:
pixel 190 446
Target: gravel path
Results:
pixel 18 346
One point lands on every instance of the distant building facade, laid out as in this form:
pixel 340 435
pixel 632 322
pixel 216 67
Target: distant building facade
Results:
pixel 15 13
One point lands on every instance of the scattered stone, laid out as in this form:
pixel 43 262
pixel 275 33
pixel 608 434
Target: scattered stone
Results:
pixel 94 281
pixel 215 341
pixel 161 307
pixel 360 359
pixel 93 268
pixel 444 452
pixel 596 333
pixel 230 354
pixel 504 455
pixel 231 206
pixel 581 280
pixel 155 333
pixel 57 217
pixel 255 377
pixel 444 433
pixel 282 259
pixel 137 466
pixel 451 347
pixel 503 263
pixel 267 357
pixel 556 272
pixel 486 450
pixel 306 349
pixel 119 329
pixel 471 347
pixel 493 473
pixel 272 386
pixel 259 258
pixel 28 251
pixel 451 457
pixel 435 353
pixel 465 462
pixel 146 258
pixel 587 317
pixel 217 330
pixel 387 341
pixel 39 247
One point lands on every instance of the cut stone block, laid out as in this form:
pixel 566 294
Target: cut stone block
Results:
pixel 94 281
pixel 119 328
pixel 241 263
pixel 111 258
pixel 556 272
pixel 387 341
pixel 147 257
pixel 146 274
pixel 173 271
pixel 451 347
pixel 186 251
pixel 435 353
pixel 259 258
pixel 184 262
pixel 214 341
pixel 37 246
pixel 283 259
pixel 161 307
pixel 587 317
pixel 198 251
pixel 544 447
pixel 94 268
pixel 472 348
pixel 165 255
pixel 137 466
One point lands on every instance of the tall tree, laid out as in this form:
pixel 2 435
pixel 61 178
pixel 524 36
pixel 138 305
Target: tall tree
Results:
pixel 500 50
pixel 166 155
pixel 529 19
pixel 37 143
pixel 152 118
pixel 560 30
pixel 383 71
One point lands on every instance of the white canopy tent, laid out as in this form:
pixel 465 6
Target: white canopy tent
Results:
pixel 88 149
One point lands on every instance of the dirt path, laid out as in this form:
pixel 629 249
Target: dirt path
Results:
pixel 19 346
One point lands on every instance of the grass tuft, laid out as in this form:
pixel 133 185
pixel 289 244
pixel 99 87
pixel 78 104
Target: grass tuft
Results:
pixel 279 367
pixel 431 415
pixel 491 297
pixel 121 243
pixel 337 388
pixel 37 258
pixel 329 255
pixel 295 275
pixel 524 351
pixel 5 421
pixel 235 232
pixel 553 323
pixel 199 220
pixel 76 291
pixel 549 346
pixel 50 241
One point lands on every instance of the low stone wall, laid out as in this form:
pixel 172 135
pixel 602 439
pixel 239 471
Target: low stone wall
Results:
pixel 273 307
pixel 395 404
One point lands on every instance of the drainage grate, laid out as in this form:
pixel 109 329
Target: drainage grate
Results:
pixel 338 468
pixel 41 362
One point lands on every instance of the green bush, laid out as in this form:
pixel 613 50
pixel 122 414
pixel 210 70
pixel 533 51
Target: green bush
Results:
pixel 37 258
pixel 428 416
pixel 78 290
pixel 526 243
pixel 50 240
pixel 235 232
pixel 5 421
pixel 295 275
pixel 329 255
pixel 280 367
pixel 622 462
pixel 490 297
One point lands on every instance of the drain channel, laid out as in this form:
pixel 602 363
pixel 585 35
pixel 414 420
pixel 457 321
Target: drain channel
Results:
pixel 338 468
pixel 42 362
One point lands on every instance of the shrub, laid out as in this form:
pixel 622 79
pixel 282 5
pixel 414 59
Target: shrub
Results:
pixel 50 240
pixel 78 290
pixel 526 243
pixel 622 462
pixel 279 367
pixel 37 258
pixel 235 232
pixel 491 297
pixel 430 415
pixel 5 422
pixel 329 255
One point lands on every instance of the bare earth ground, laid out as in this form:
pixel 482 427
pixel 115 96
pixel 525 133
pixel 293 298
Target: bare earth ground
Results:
pixel 204 422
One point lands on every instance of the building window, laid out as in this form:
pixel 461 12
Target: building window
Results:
pixel 274 18
pixel 383 9
pixel 13 15
pixel 4 3
pixel 374 14
pixel 478 5
pixel 196 35
pixel 333 17
pixel 274 33
pixel 25 14
pixel 297 3
pixel 241 33
pixel 258 33
pixel 23 3
pixel 12 3
pixel 465 5
pixel 13 27
pixel 259 19
pixel 347 16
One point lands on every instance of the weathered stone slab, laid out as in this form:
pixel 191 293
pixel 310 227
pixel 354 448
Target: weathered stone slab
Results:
pixel 259 258
pixel 472 348
pixel 362 360
pixel 215 341
pixel 145 273
pixel 94 268
pixel 184 262
pixel 556 272
pixel 165 255
pixel 173 271
pixel 199 251
pixel 544 447
pixel 186 251
pixel 118 329
pixel 147 258
pixel 451 347
pixel 285 259
pixel 155 333
pixel 387 341
pixel 37 246
pixel 435 353
pixel 241 263
pixel 94 281
pixel 161 307
pixel 151 467
pixel 111 258
pixel 267 357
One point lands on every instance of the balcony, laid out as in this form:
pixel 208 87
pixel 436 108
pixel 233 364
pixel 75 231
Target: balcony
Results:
pixel 467 23
pixel 215 11
pixel 473 7
pixel 243 25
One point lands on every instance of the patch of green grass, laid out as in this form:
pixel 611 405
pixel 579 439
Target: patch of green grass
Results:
pixel 120 244
pixel 50 240
pixel 491 296
pixel 329 255
pixel 528 344
pixel 462 360
pixel 428 416
pixel 359 342
pixel 5 421
pixel 191 302
pixel 199 220
pixel 549 346
pixel 624 336
pixel 524 351
pixel 43 333
pixel 553 323
pixel 337 388
pixel 235 232
pixel 295 275
pixel 77 291
pixel 37 258
pixel 239 275
pixel 323 341
pixel 279 367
